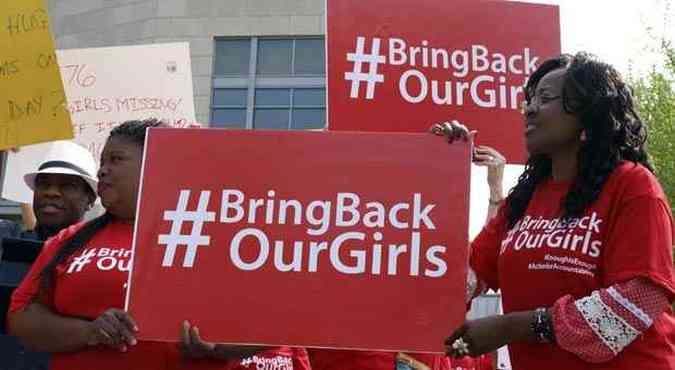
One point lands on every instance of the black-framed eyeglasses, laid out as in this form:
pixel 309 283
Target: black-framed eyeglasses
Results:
pixel 538 101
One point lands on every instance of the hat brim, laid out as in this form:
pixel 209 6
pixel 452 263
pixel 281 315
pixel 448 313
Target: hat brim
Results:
pixel 29 178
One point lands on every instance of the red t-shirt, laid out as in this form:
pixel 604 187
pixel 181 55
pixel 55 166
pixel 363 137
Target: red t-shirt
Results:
pixel 625 234
pixel 284 358
pixel 332 359
pixel 93 280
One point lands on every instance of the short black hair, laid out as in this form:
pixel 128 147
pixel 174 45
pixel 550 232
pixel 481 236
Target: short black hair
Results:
pixel 136 129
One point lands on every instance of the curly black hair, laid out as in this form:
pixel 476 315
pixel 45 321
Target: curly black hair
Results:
pixel 136 132
pixel 596 93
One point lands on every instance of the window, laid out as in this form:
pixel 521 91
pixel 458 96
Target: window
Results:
pixel 269 83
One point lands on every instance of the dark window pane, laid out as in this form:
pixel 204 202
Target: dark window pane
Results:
pixel 310 57
pixel 232 57
pixel 236 97
pixel 273 97
pixel 271 119
pixel 274 57
pixel 309 97
pixel 308 119
pixel 230 118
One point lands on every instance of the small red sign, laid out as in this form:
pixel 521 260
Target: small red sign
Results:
pixel 400 65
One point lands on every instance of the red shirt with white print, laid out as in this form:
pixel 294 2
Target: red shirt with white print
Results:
pixel 93 280
pixel 333 359
pixel 284 358
pixel 627 233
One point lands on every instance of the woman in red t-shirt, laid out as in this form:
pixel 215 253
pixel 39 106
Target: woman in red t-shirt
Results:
pixel 581 249
pixel 70 302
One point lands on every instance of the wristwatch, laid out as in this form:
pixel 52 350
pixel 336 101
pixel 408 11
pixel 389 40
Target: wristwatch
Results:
pixel 542 327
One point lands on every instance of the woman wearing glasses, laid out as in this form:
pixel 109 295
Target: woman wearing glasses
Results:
pixel 582 247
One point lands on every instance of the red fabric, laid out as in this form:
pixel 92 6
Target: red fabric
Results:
pixel 484 362
pixel 331 359
pixel 575 335
pixel 652 300
pixel 93 280
pixel 627 233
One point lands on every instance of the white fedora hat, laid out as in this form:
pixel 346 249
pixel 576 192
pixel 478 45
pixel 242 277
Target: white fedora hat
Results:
pixel 67 158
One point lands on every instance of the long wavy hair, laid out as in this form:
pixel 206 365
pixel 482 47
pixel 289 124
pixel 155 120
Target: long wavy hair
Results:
pixel 131 130
pixel 595 92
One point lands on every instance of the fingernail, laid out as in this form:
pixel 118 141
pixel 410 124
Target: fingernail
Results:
pixel 123 349
pixel 134 342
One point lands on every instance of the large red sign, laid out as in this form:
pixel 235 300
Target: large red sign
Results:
pixel 313 239
pixel 400 65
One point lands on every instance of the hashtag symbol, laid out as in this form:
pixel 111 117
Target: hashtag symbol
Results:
pixel 193 240
pixel 246 362
pixel 81 261
pixel 357 75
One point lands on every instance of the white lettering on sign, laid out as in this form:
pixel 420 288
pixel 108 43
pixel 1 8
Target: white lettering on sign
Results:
pixel 353 251
pixel 476 75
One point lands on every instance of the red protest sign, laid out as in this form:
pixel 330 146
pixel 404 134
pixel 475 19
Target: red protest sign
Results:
pixel 337 240
pixel 397 65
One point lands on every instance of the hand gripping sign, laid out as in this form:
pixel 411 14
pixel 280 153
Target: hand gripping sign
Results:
pixel 400 65
pixel 338 240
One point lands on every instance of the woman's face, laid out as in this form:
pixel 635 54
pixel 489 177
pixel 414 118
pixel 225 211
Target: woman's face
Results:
pixel 119 176
pixel 549 128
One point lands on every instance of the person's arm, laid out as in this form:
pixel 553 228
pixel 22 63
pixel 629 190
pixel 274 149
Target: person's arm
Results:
pixel 495 162
pixel 28 216
pixel 41 329
pixel 191 345
pixel 33 320
pixel 638 271
pixel 38 328
pixel 481 336
pixel 596 328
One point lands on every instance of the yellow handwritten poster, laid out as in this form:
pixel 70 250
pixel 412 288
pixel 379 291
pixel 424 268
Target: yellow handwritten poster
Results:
pixel 32 98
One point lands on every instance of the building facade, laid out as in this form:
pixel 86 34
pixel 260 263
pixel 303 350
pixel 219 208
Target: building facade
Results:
pixel 255 63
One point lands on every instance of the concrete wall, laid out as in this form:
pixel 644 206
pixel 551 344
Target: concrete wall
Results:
pixel 96 23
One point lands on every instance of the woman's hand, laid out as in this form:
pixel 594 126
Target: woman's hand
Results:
pixel 495 162
pixel 191 344
pixel 115 328
pixel 482 155
pixel 477 337
pixel 453 131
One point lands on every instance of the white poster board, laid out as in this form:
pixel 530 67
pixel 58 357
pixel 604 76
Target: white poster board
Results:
pixel 107 86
